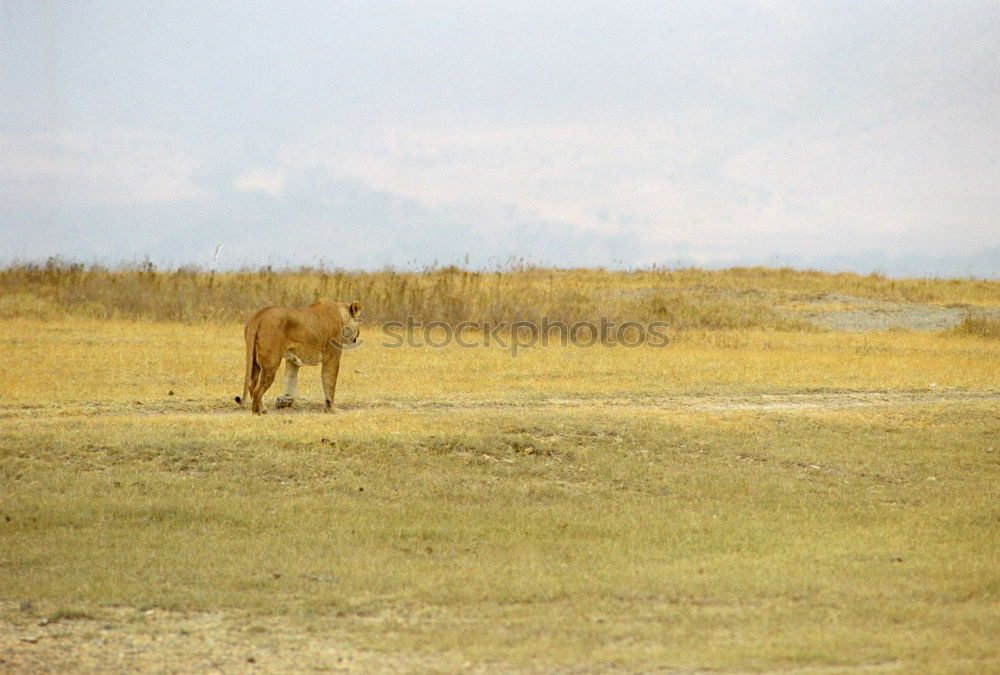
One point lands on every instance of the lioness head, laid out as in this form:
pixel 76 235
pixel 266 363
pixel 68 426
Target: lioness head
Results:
pixel 352 324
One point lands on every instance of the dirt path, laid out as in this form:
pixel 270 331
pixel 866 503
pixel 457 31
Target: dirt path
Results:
pixel 690 402
pixel 722 402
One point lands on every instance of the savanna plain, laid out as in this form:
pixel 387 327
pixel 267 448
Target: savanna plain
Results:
pixel 805 478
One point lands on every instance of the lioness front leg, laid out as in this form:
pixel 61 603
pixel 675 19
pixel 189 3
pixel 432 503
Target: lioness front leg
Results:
pixel 331 367
pixel 291 384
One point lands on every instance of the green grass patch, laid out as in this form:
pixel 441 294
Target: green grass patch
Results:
pixel 733 539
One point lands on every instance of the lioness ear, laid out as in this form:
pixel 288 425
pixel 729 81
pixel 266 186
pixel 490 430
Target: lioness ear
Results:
pixel 355 309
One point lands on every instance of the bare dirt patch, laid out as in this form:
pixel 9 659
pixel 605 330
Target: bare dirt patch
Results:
pixel 126 640
pixel 864 315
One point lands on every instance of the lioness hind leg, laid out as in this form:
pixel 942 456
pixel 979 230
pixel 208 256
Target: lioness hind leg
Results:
pixel 262 384
pixel 252 378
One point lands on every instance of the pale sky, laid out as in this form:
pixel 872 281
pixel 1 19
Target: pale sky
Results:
pixel 859 136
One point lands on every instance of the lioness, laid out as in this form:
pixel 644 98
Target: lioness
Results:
pixel 301 336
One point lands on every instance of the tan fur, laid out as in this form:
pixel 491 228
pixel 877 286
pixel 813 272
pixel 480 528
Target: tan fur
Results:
pixel 302 336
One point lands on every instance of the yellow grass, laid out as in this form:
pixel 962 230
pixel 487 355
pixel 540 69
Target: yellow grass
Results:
pixel 689 298
pixel 740 500
pixel 126 364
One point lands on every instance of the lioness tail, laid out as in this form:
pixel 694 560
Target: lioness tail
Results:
pixel 251 348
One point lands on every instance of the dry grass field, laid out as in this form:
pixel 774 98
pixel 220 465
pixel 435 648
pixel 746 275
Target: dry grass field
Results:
pixel 780 488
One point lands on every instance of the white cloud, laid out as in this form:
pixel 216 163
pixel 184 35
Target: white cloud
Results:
pixel 105 168
pixel 845 183
pixel 903 185
pixel 264 180
pixel 604 176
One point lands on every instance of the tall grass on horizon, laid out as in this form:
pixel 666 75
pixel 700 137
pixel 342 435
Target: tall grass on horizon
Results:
pixel 685 298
